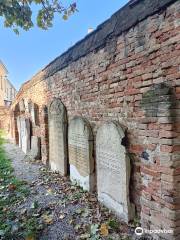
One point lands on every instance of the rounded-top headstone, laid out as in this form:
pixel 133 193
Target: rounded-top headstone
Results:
pixel 57 136
pixel 21 105
pixel 80 141
pixel 23 125
pixel 113 170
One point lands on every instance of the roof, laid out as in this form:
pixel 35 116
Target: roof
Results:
pixel 128 16
pixel 10 83
pixel 3 66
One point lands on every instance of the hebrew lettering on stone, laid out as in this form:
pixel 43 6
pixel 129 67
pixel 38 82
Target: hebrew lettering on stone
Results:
pixel 80 145
pixel 113 171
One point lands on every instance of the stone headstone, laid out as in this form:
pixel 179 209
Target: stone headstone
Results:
pixel 21 106
pixel 25 134
pixel 26 103
pixel 80 143
pixel 19 131
pixel 34 113
pixel 45 136
pixel 113 171
pixel 57 119
pixel 29 106
pixel 35 151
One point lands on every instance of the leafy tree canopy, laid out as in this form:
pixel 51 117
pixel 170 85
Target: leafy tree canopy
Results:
pixel 18 13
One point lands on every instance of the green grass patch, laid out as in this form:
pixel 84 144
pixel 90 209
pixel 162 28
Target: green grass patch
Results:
pixel 13 224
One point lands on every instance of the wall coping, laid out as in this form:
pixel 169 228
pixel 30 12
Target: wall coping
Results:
pixel 121 21
pixel 128 16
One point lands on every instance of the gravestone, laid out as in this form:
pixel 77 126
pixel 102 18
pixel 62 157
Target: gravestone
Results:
pixel 35 151
pixel 45 136
pixel 29 106
pixel 80 143
pixel 19 131
pixel 34 111
pixel 113 171
pixel 26 105
pixel 57 136
pixel 21 106
pixel 25 134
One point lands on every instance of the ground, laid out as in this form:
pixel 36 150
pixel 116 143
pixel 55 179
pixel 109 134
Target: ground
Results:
pixel 54 208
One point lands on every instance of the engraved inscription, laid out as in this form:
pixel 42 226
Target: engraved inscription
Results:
pixel 109 160
pixel 79 147
pixel 113 170
pixel 80 152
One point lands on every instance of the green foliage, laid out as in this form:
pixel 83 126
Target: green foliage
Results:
pixel 136 221
pixel 17 14
pixel 113 223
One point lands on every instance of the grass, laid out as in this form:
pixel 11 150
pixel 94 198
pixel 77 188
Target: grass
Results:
pixel 12 193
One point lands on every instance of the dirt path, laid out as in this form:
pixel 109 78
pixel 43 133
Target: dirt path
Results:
pixel 69 212
pixel 43 191
pixel 23 169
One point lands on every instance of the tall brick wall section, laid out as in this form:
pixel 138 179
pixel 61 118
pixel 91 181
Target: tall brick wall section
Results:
pixel 5 120
pixel 36 91
pixel 133 78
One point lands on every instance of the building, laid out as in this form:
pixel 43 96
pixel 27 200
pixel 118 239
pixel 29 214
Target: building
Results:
pixel 7 90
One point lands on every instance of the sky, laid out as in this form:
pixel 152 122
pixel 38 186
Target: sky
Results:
pixel 25 54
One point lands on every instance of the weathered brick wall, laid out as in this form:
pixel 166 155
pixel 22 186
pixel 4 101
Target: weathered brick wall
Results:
pixel 134 79
pixel 5 120
pixel 36 91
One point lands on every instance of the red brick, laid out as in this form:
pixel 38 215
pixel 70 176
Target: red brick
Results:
pixel 166 127
pixel 153 126
pixel 167 134
pixel 149 171
pixel 136 148
pixel 166 148
pixel 178 90
pixel 176 148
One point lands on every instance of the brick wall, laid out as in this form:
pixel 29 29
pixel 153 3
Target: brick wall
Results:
pixel 5 120
pixel 133 78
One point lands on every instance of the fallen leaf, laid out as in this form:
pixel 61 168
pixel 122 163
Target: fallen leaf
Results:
pixel 30 238
pixel 48 219
pixel 23 211
pixel 62 216
pixel 85 213
pixel 104 230
pixel 85 236
pixel 12 187
pixel 77 226
pixel 93 199
pixel 34 205
pixel 79 210
pixel 5 209
pixel 49 191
